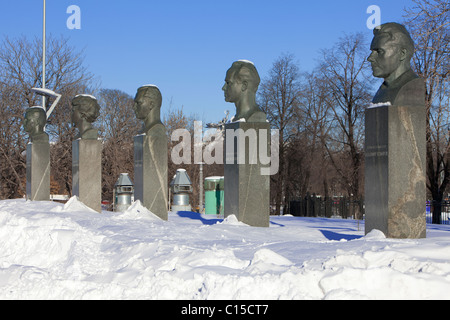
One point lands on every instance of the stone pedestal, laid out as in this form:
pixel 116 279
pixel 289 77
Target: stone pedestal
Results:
pixel 38 171
pixel 87 172
pixel 150 171
pixel 246 190
pixel 395 156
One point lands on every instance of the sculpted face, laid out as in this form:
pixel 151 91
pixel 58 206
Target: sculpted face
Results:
pixel 385 58
pixel 142 105
pixel 34 121
pixel 28 123
pixel 76 117
pixel 232 87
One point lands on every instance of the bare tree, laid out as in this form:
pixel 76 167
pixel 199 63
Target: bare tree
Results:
pixel 429 24
pixel 344 73
pixel 317 118
pixel 118 126
pixel 279 97
pixel 20 71
pixel 12 144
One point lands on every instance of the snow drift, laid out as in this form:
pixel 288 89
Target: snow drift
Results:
pixel 54 251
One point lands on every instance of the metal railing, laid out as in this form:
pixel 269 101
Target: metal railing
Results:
pixel 445 212
pixel 313 206
pixel 343 207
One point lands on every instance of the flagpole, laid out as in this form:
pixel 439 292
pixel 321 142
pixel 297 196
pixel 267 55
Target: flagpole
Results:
pixel 43 55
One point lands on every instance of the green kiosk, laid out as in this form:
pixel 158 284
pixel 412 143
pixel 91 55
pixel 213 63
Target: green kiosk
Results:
pixel 214 190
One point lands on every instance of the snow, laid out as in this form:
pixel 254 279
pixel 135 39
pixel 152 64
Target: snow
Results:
pixel 86 95
pixel 54 251
pixel 45 92
pixel 380 104
pixel 214 178
pixel 247 61
pixel 149 85
pixel 237 120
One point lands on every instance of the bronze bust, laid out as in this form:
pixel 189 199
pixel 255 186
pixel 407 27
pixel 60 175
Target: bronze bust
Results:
pixel 241 83
pixel 85 110
pixel 392 49
pixel 34 124
pixel 147 107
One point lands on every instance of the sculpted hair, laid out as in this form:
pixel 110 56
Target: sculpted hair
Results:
pixel 153 93
pixel 87 106
pixel 246 71
pixel 396 33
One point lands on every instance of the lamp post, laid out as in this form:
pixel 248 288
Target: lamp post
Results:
pixel 200 194
pixel 43 53
pixel 48 93
pixel 45 92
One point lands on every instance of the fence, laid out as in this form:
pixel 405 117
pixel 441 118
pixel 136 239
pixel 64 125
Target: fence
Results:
pixel 343 207
pixel 312 206
pixel 445 211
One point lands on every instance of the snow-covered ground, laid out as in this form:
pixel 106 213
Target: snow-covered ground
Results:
pixel 54 251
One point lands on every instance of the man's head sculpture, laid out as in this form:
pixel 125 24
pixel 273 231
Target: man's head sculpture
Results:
pixel 85 111
pixel 241 83
pixel 392 49
pixel 147 106
pixel 34 124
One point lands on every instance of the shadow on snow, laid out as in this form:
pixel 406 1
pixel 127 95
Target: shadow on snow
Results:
pixel 330 235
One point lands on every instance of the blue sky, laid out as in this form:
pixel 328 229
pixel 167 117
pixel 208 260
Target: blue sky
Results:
pixel 186 47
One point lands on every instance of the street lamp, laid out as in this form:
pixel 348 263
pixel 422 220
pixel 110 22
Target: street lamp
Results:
pixel 50 94
pixel 43 91
pixel 43 53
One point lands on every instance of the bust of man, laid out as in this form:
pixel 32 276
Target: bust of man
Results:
pixel 34 124
pixel 241 83
pixel 392 49
pixel 147 107
pixel 85 110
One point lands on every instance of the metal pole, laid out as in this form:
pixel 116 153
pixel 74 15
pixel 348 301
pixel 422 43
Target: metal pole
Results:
pixel 43 56
pixel 200 196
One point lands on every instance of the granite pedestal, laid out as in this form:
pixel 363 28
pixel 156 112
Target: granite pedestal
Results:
pixel 246 189
pixel 87 172
pixel 150 171
pixel 395 159
pixel 38 171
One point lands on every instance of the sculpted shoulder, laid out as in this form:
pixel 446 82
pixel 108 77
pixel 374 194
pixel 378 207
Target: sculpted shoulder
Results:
pixel 40 137
pixel 157 129
pixel 258 116
pixel 90 134
pixel 407 90
pixel 411 94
